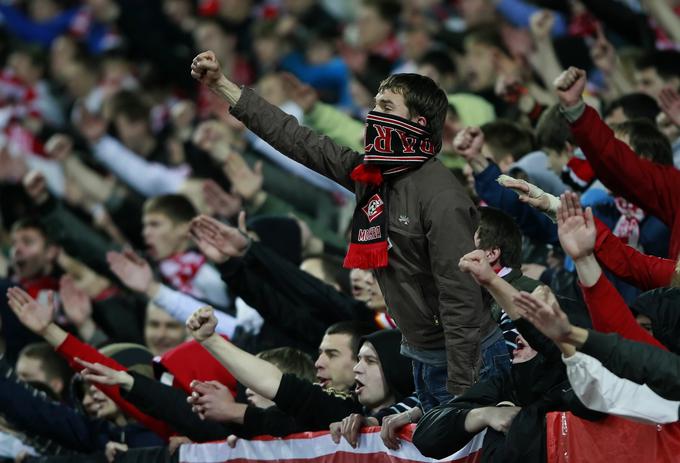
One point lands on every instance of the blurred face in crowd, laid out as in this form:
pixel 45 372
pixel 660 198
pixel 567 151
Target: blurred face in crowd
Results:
pixel 335 362
pixel 161 331
pixel 645 323
pixel 134 134
pixel 30 255
pixel 373 29
pixel 23 67
pixel 479 66
pixel 648 81
pixel 476 12
pixel 416 41
pixel 365 288
pixel 162 236
pixel 98 405
pixel 30 369
pixel 62 52
pixel 42 10
pixel 209 36
pixel 79 80
pixel 371 387
pixel 177 10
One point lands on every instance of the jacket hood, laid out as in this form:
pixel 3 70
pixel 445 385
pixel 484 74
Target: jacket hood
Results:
pixel 396 368
pixel 188 362
pixel 661 306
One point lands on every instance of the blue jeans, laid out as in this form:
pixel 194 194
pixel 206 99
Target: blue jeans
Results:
pixel 495 356
pixel 430 384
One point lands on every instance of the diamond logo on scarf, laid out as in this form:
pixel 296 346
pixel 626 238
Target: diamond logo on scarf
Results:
pixel 374 207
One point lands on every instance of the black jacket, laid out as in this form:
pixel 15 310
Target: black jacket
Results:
pixel 297 306
pixel 638 362
pixel 661 306
pixel 538 386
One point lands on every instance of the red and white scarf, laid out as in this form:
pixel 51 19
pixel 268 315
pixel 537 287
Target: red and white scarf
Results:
pixel 180 271
pixel 628 226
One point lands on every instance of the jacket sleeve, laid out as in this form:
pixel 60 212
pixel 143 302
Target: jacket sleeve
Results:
pixel 73 348
pixel 533 223
pixel 169 404
pixel 627 263
pixel 288 297
pixel 270 421
pixel 301 144
pixel 30 411
pixel 653 187
pixel 600 389
pixel 610 314
pixel 449 228
pixel 638 362
pixel 441 431
pixel 313 408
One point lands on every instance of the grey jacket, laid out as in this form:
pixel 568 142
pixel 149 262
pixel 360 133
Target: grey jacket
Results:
pixel 431 226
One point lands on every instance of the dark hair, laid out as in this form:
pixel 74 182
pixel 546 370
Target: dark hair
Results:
pixel 503 137
pixel 666 63
pixel 130 104
pixel 497 230
pixel 355 329
pixel 489 35
pixel 32 223
pixel 290 360
pixel 635 106
pixel 388 10
pixel 440 60
pixel 647 140
pixel 423 97
pixel 176 207
pixel 552 130
pixel 51 363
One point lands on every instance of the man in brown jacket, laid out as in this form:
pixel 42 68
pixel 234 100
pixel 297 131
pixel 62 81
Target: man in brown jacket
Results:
pixel 431 220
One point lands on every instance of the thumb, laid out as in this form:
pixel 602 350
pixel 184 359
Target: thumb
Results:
pixel 258 168
pixel 242 222
pixel 50 300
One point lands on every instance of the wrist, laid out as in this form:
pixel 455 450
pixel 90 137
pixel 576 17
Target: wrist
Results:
pixel 211 340
pixel 226 88
pixel 126 381
pixel 152 290
pixel 54 335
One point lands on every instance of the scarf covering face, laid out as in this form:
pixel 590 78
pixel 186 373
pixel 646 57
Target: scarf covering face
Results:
pixel 394 145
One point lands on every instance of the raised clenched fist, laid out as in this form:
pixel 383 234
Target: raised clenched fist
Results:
pixel 468 142
pixel 202 323
pixel 206 69
pixel 570 85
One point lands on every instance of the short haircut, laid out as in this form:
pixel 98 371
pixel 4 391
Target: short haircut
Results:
pixel 130 104
pixel 497 230
pixel 666 63
pixel 292 361
pixel 423 97
pixel 489 35
pixel 176 207
pixel 647 140
pixel 505 137
pixel 635 106
pixel 355 329
pixel 440 60
pixel 388 10
pixel 552 130
pixel 32 223
pixel 52 363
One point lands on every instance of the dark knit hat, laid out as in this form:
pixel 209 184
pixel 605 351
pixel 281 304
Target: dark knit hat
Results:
pixel 396 368
pixel 281 234
pixel 661 306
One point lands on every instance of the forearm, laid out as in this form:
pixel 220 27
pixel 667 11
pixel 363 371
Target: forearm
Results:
pixel 664 15
pixel 55 335
pixel 588 270
pixel 251 371
pixel 95 187
pixel 475 420
pixel 503 292
pixel 227 90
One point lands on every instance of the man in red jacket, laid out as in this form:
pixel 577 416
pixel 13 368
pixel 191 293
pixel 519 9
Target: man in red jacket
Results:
pixel 654 188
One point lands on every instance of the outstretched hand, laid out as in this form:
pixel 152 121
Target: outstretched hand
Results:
pixel 530 194
pixel 218 241
pixel 32 314
pixel 575 228
pixel 202 323
pixel 548 319
pixel 133 271
pixel 98 373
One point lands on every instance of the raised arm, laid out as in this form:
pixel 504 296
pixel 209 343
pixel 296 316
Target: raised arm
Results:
pixel 249 370
pixel 607 308
pixel 280 130
pixel 651 186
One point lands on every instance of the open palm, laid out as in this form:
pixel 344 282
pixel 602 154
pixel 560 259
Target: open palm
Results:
pixel 218 241
pixel 575 228
pixel 131 269
pixel 548 319
pixel 32 314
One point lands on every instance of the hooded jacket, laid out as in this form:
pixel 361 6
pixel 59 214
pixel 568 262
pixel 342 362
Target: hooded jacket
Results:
pixel 396 368
pixel 661 306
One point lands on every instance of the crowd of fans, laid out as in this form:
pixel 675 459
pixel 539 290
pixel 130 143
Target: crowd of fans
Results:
pixel 228 218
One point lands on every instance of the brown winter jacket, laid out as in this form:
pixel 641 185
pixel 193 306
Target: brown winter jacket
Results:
pixel 431 226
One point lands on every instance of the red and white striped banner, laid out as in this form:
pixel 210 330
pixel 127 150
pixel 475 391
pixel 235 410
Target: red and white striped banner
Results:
pixel 317 447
